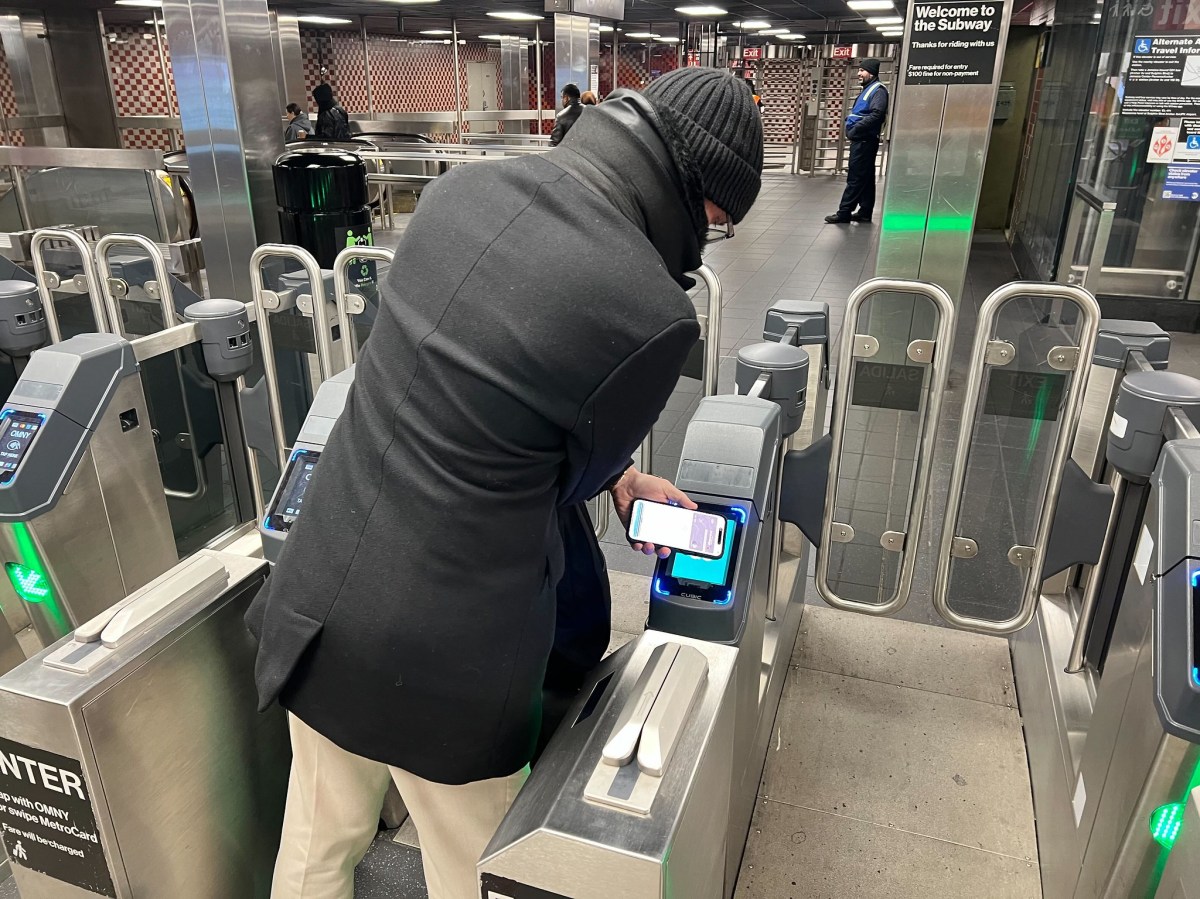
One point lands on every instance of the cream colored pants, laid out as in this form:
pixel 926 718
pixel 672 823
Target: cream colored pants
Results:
pixel 332 816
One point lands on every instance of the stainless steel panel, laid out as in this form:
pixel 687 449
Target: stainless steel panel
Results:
pixel 571 52
pixel 134 503
pixel 555 840
pixel 32 72
pixel 81 72
pixel 287 33
pixel 45 157
pixel 187 777
pixel 11 654
pixel 514 72
pixel 229 102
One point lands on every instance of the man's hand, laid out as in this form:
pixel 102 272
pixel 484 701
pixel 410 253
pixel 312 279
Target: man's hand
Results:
pixel 636 485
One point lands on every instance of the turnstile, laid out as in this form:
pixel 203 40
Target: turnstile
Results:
pixel 133 759
pixel 648 786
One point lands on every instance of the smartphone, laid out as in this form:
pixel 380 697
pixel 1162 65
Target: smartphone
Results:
pixel 695 532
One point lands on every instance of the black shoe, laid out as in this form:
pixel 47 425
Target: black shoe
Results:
pixel 859 217
pixel 837 219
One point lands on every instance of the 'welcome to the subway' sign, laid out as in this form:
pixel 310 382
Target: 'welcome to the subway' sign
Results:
pixel 953 43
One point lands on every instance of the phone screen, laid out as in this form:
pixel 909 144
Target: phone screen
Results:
pixel 679 528
pixel 698 569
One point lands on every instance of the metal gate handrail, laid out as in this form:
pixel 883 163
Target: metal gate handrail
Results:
pixel 1072 405
pixel 43 275
pixel 342 297
pixel 1108 211
pixel 940 373
pixel 161 274
pixel 712 328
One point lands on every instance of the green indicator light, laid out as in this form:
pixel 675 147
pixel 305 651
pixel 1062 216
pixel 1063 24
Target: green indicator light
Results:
pixel 31 586
pixel 1165 823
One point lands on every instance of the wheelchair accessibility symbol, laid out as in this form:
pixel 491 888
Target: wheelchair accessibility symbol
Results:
pixel 1143 45
pixel 1193 141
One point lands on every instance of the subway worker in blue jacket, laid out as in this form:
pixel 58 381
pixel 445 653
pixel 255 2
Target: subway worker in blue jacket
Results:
pixel 863 127
pixel 408 626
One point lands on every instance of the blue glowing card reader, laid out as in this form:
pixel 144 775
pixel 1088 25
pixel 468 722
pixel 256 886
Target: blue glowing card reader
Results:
pixel 727 467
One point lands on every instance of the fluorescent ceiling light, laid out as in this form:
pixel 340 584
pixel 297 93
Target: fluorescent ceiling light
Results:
pixel 792 37
pixel 869 5
pixel 514 16
pixel 438 31
pixel 498 37
pixel 754 25
pixel 145 4
pixel 701 11
pixel 886 20
pixel 774 31
pixel 641 34
pixel 606 28
pixel 323 20
pixel 669 40
pixel 891 31
pixel 1096 16
pixel 154 22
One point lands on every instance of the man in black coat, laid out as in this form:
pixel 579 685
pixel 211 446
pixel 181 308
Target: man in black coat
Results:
pixel 864 125
pixel 410 619
pixel 568 115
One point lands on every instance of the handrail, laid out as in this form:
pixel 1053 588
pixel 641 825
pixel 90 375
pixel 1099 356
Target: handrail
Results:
pixel 712 334
pixel 939 374
pixel 267 345
pixel 316 290
pixel 161 275
pixel 1069 415
pixel 1093 199
pixel 45 235
pixel 341 296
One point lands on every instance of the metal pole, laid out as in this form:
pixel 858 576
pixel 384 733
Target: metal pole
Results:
pixel 1091 590
pixel 362 25
pixel 777 532
pixel 112 91
pixel 18 182
pixel 457 79
pixel 159 41
pixel 537 62
pixel 616 60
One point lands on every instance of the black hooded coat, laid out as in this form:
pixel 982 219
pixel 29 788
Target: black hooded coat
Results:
pixel 412 613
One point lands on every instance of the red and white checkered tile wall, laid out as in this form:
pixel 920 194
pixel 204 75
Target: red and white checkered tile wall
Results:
pixel 405 76
pixel 8 102
pixel 138 83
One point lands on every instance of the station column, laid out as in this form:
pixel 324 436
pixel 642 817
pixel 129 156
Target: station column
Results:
pixel 231 110
pixel 941 121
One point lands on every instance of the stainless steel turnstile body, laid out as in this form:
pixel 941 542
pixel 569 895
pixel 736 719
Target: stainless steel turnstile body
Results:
pixel 558 841
pixel 141 767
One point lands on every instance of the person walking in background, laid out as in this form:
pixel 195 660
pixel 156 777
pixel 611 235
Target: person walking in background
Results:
pixel 333 123
pixel 589 99
pixel 567 116
pixel 863 127
pixel 298 127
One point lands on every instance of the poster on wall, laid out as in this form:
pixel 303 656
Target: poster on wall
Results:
pixel 1164 75
pixel 953 42
pixel 1162 145
pixel 1183 183
pixel 1187 145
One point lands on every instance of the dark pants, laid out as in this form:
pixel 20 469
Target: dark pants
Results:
pixel 860 179
pixel 583 624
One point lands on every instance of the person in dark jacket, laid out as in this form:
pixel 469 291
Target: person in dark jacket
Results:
pixel 863 127
pixel 298 127
pixel 410 620
pixel 333 123
pixel 568 115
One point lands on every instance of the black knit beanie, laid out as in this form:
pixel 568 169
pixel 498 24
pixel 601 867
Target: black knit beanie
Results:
pixel 723 129
pixel 871 65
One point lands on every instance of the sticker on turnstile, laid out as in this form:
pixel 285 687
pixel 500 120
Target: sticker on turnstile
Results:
pixel 46 818
pixel 493 887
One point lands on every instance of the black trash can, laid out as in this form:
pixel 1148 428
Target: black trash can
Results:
pixel 322 198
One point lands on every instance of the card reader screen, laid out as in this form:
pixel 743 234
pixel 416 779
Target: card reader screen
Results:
pixel 698 569
pixel 289 502
pixel 17 430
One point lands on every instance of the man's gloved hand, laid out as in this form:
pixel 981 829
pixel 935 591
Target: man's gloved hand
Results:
pixel 636 485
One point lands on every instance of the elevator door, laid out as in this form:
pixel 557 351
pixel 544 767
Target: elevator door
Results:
pixel 482 93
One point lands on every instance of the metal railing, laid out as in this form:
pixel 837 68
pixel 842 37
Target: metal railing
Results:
pixel 988 351
pixel 348 303
pixel 1086 198
pixel 85 282
pixel 937 355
